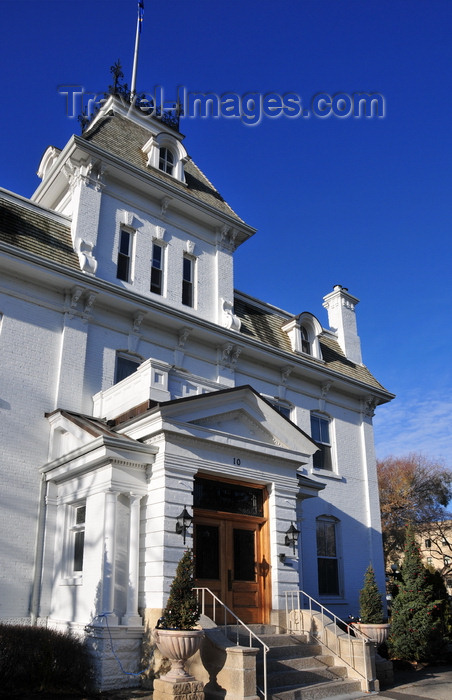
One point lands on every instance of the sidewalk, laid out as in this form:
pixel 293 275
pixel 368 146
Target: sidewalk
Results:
pixel 426 682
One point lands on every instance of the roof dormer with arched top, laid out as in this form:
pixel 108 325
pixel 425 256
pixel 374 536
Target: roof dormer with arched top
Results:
pixel 304 331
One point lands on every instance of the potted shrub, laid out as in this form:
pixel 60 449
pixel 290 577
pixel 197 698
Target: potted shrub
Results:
pixel 371 615
pixel 175 635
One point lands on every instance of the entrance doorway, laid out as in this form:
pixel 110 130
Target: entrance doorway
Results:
pixel 231 559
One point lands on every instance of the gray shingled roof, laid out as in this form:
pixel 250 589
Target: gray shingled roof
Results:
pixel 33 231
pixel 125 139
pixel 265 326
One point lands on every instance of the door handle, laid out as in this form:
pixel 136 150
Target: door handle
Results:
pixel 229 579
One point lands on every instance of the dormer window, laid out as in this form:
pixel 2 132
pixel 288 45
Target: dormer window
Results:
pixel 304 331
pixel 166 153
pixel 166 160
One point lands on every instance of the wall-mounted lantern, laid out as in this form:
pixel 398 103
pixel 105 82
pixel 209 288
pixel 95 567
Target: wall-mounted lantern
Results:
pixel 184 520
pixel 292 537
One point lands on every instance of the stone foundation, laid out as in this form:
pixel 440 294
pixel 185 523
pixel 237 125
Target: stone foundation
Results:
pixel 178 690
pixel 116 653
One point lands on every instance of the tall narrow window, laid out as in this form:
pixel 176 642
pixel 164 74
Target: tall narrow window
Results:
pixel 305 345
pixel 187 281
pixel 157 269
pixel 124 256
pixel 320 431
pixel 166 160
pixel 327 558
pixel 78 533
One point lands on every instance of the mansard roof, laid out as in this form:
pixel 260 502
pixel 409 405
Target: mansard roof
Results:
pixel 35 230
pixel 125 139
pixel 40 232
pixel 264 323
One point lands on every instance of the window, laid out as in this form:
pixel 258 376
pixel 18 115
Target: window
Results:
pixel 166 160
pixel 282 409
pixel 187 281
pixel 78 537
pixel 428 544
pixel 125 366
pixel 320 432
pixel 305 345
pixel 327 559
pixel 123 271
pixel 447 561
pixel 429 561
pixel 157 269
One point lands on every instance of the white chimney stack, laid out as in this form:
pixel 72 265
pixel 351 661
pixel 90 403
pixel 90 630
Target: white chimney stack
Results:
pixel 340 305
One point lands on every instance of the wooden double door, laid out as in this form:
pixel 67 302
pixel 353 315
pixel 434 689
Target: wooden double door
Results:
pixel 231 560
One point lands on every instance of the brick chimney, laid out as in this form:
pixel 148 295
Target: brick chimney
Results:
pixel 340 305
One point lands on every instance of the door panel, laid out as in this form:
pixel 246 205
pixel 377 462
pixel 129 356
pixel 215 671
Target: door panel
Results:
pixel 227 552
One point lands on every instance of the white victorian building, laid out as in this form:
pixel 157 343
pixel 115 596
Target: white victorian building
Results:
pixel 136 383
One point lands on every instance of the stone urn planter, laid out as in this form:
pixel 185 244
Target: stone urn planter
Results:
pixel 178 646
pixel 376 633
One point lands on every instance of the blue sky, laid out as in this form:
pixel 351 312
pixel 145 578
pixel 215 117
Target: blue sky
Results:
pixel 365 203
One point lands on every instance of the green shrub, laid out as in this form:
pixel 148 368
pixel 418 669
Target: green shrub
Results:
pixel 38 658
pixel 416 633
pixel 370 602
pixel 182 611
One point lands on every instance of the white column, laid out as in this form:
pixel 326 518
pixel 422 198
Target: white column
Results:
pixel 132 618
pixel 108 568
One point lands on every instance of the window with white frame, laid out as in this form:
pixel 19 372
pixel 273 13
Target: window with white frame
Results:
pixel 125 249
pixel 76 539
pixel 188 272
pixel 166 160
pixel 321 434
pixel 327 556
pixel 157 269
pixel 125 366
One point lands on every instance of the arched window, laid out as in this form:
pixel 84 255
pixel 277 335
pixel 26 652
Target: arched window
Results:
pixel 166 160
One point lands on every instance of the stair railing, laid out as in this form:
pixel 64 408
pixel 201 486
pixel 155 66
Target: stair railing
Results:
pixel 219 609
pixel 299 601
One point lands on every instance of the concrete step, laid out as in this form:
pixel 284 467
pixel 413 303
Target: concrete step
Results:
pixel 290 678
pixel 294 651
pixel 332 690
pixel 298 663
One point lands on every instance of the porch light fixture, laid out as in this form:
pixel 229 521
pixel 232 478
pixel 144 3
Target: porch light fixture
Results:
pixel 292 537
pixel 184 520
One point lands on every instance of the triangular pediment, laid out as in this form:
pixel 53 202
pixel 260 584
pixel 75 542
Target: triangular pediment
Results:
pixel 237 422
pixel 235 415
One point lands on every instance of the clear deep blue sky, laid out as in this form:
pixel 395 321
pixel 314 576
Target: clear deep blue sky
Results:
pixel 365 203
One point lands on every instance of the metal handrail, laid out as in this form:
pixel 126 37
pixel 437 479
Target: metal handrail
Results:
pixel 352 632
pixel 201 592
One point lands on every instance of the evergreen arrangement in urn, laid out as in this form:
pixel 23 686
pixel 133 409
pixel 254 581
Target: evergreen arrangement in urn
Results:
pixel 415 625
pixel 370 602
pixel 182 610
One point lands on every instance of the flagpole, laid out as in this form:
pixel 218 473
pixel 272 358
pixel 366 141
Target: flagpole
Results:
pixel 135 55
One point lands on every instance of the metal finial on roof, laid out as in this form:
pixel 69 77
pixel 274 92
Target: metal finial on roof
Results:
pixel 137 45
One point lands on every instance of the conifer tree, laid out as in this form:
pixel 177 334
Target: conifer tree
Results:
pixel 415 627
pixel 370 603
pixel 182 611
